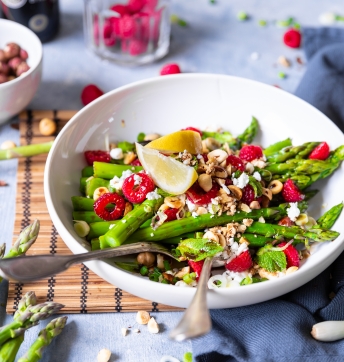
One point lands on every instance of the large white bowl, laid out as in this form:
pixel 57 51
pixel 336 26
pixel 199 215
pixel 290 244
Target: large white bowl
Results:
pixel 16 94
pixel 167 104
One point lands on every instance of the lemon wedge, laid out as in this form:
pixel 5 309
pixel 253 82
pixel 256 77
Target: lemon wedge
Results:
pixel 170 175
pixel 178 142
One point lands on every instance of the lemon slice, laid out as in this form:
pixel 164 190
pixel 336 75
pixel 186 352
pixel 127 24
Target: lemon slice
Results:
pixel 170 175
pixel 178 142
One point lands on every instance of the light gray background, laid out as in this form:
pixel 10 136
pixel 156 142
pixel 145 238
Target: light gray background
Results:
pixel 214 42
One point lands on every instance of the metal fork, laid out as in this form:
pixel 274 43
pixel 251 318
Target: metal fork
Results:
pixel 31 268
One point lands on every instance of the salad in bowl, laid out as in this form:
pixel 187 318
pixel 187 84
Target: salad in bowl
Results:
pixel 209 166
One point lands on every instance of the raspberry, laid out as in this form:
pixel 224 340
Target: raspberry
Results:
pixel 247 195
pixel 99 156
pixel 286 221
pixel 198 196
pixel 292 38
pixel 137 47
pixel 171 214
pixel 108 34
pixel 250 152
pixel 170 69
pixel 137 193
pixel 241 263
pixel 120 9
pixel 291 254
pixel 196 267
pixel 90 93
pixel 291 193
pixel 192 129
pixel 127 26
pixel 102 209
pixel 235 162
pixel 320 152
pixel 135 6
pixel 150 5
pixel 136 162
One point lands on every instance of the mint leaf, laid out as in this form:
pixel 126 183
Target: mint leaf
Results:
pixel 271 260
pixel 198 249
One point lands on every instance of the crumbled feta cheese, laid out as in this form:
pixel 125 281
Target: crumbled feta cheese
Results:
pixel 234 247
pixel 137 180
pixel 111 226
pixel 226 189
pixel 241 181
pixel 261 219
pixel 151 234
pixel 182 284
pixel 116 153
pixel 327 18
pixel 194 214
pixel 153 195
pixel 124 331
pixel 199 157
pixel 249 167
pixel 242 247
pixel 293 211
pixel 257 176
pixel 191 206
pixel 215 201
pixel 117 182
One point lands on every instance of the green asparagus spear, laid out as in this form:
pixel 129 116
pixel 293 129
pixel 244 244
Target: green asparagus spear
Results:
pixel 28 318
pixel 276 147
pixel 130 223
pixel 45 336
pixel 26 238
pixel 82 203
pixel 87 171
pixel 25 151
pixel 292 152
pixel 100 228
pixel 257 240
pixel 109 170
pixel 88 216
pixel 82 186
pixel 93 183
pixel 221 137
pixel 189 224
pixel 248 135
pixel 337 155
pixel 327 220
pixel 9 349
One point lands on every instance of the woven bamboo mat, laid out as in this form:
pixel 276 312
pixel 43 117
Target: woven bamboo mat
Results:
pixel 79 289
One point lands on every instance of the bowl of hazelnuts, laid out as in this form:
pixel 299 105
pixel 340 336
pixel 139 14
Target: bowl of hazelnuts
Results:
pixel 20 67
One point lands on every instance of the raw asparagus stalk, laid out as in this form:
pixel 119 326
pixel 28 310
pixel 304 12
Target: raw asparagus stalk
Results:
pixel 337 155
pixel 110 170
pixel 26 238
pixel 293 232
pixel 276 147
pixel 257 240
pixel 93 183
pixel 190 224
pixel 25 151
pixel 87 171
pixel 81 203
pixel 45 336
pixel 130 223
pixel 88 216
pixel 293 152
pixel 327 220
pixel 9 349
pixel 249 133
pixel 82 186
pixel 28 318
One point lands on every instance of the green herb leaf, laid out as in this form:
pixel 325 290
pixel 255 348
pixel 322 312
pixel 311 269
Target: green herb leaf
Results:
pixel 126 146
pixel 198 249
pixel 141 137
pixel 271 260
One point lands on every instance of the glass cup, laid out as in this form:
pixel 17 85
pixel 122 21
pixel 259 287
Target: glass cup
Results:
pixel 130 32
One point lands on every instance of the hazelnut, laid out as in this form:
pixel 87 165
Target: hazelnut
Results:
pixel 6 145
pixel 142 317
pixel 23 54
pixel 11 50
pixel 3 78
pixel 47 127
pixel 14 63
pixel 153 326
pixel 22 68
pixel 4 68
pixel 2 56
pixel 104 355
pixel 146 258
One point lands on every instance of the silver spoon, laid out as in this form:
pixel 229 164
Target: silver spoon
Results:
pixel 196 320
pixel 31 268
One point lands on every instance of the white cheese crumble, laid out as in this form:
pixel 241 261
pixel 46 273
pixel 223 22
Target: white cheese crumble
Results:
pixel 117 182
pixel 116 154
pixel 327 18
pixel 241 181
pixel 226 189
pixel 137 180
pixel 293 211
pixel 194 214
pixel 151 234
pixel 261 219
pixel 153 195
pixel 257 176
pixel 112 226
pixel 199 157
pixel 191 206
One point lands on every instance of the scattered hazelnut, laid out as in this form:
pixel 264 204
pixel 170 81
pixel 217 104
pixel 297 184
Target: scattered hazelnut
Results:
pixel 47 127
pixel 11 50
pixel 142 317
pixel 153 326
pixel 22 68
pixel 14 63
pixel 104 355
pixel 146 258
pixel 6 145
pixel 23 54
pixel 124 331
pixel 3 78
pixel 284 61
pixel 4 68
pixel 2 56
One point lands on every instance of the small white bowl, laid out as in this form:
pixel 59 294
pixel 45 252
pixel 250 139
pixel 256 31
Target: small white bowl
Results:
pixel 170 103
pixel 16 94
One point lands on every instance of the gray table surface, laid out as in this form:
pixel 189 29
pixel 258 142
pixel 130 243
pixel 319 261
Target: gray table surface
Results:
pixel 214 42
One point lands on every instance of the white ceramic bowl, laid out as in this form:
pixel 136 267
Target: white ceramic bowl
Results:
pixel 16 94
pixel 167 104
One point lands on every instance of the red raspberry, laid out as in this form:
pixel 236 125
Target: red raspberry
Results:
pixel 99 156
pixel 136 162
pixel 102 209
pixel 235 162
pixel 135 6
pixel 120 9
pixel 292 38
pixel 137 193
pixel 291 254
pixel 170 69
pixel 137 47
pixel 198 196
pixel 171 214
pixel 196 267
pixel 291 193
pixel 247 194
pixel 108 34
pixel 90 93
pixel 286 221
pixel 150 5
pixel 241 263
pixel 320 152
pixel 192 129
pixel 127 26
pixel 250 152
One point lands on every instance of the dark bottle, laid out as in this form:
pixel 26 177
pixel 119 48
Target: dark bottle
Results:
pixel 41 16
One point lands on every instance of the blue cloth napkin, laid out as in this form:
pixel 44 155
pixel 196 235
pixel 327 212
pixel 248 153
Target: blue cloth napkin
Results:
pixel 279 330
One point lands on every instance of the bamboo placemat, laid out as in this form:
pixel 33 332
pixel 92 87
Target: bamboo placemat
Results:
pixel 79 289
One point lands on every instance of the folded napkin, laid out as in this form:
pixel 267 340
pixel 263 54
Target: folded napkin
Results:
pixel 279 330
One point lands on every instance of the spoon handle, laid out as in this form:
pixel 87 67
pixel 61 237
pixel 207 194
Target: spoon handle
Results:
pixel 196 320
